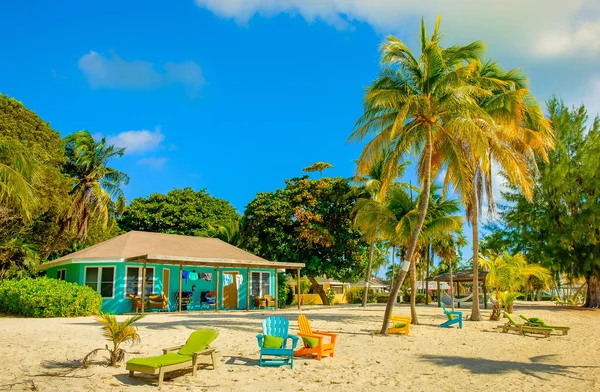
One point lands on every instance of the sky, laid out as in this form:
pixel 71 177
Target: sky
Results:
pixel 235 96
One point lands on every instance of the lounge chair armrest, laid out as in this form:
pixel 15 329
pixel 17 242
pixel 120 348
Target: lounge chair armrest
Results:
pixel 455 313
pixel 168 350
pixel 260 338
pixel 333 336
pixel 311 335
pixel 207 350
pixel 294 341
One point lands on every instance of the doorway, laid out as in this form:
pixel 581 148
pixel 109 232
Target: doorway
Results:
pixel 230 291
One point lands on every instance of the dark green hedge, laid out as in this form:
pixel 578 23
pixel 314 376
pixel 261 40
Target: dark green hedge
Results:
pixel 46 297
pixel 355 295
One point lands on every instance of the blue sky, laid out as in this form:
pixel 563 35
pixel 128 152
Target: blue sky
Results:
pixel 236 96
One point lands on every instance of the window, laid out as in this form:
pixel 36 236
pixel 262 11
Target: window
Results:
pixel 133 281
pixel 61 274
pixel 261 284
pixel 101 279
pixel 337 289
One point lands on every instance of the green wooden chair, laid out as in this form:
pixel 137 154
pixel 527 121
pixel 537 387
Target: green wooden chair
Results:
pixel 453 318
pixel 522 329
pixel 537 322
pixel 176 358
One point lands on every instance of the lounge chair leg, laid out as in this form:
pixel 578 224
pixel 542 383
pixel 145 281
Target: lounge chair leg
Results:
pixel 161 376
pixel 194 365
pixel 131 373
pixel 214 362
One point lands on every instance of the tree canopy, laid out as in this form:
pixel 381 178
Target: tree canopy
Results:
pixel 181 211
pixel 309 221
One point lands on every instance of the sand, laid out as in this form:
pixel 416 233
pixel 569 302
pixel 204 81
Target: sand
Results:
pixel 44 354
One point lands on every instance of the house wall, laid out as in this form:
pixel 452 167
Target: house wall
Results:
pixel 119 304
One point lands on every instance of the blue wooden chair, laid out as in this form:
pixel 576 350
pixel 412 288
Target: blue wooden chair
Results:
pixel 282 356
pixel 453 318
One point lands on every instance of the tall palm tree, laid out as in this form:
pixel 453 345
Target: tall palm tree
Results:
pixel 518 133
pixel 226 231
pixel 95 184
pixel 446 247
pixel 367 208
pixel 18 173
pixel 415 102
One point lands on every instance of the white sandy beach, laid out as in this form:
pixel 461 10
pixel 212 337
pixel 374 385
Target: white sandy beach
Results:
pixel 45 354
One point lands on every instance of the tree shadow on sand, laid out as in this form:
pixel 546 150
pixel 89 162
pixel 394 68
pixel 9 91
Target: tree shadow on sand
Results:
pixel 537 367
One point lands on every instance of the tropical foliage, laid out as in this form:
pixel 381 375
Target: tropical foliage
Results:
pixel 116 333
pixel 508 275
pixel 181 211
pixel 560 228
pixel 309 221
pixel 45 297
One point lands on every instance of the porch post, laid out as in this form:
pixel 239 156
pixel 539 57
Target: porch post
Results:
pixel 143 286
pixel 298 285
pixel 217 291
pixel 276 289
pixel 484 295
pixel 247 289
pixel 180 284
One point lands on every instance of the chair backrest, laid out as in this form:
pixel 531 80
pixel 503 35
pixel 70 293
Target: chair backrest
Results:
pixel 444 308
pixel 155 297
pixel 304 325
pixel 510 318
pixel 276 326
pixel 198 341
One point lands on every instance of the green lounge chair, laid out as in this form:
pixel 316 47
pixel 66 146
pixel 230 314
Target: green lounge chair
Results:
pixel 537 322
pixel 512 325
pixel 185 356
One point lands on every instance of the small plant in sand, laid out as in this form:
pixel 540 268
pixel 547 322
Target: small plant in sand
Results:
pixel 116 333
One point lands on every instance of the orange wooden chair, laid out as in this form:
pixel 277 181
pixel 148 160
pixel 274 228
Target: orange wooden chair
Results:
pixel 314 340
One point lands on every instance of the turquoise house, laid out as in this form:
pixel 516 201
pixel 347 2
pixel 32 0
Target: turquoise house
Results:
pixel 178 273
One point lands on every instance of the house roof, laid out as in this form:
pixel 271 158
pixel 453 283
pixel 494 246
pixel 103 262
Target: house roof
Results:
pixel 159 248
pixel 374 282
pixel 461 276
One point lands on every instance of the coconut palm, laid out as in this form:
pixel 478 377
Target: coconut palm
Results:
pixel 507 274
pixel 95 184
pixel 227 231
pixel 117 334
pixel 518 133
pixel 447 248
pixel 18 172
pixel 415 102
pixel 367 208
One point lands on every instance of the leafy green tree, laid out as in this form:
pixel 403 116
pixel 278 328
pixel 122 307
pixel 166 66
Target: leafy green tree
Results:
pixel 318 166
pixel 309 221
pixel 561 227
pixel 39 191
pixel 181 211
pixel 96 191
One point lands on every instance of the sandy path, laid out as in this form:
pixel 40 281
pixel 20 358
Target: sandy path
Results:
pixel 476 358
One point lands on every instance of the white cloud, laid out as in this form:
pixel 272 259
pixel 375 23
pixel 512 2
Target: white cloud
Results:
pixel 153 163
pixel 115 73
pixel 138 141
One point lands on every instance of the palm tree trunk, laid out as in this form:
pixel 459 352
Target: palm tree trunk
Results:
pixel 451 286
pixel 475 314
pixel 428 149
pixel 393 265
pixel 368 276
pixel 413 293
pixel 429 256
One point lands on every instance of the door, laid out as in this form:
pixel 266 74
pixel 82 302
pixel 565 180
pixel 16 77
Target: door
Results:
pixel 230 291
pixel 165 284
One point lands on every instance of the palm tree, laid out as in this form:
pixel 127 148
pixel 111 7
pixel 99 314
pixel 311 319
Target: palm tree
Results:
pixel 18 173
pixel 507 274
pixel 367 208
pixel 447 248
pixel 95 184
pixel 414 103
pixel 518 133
pixel 227 231
pixel 117 334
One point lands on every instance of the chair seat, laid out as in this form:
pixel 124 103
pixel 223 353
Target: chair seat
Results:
pixel 160 361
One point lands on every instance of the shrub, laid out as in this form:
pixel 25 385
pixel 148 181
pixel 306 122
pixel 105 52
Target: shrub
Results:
pixel 330 296
pixel 47 297
pixel 355 295
pixel 383 298
pixel 283 290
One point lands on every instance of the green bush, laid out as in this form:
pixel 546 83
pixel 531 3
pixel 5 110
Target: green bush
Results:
pixel 330 296
pixel 47 297
pixel 355 295
pixel 383 298
pixel 283 291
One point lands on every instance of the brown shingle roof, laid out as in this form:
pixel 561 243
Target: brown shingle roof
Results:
pixel 165 247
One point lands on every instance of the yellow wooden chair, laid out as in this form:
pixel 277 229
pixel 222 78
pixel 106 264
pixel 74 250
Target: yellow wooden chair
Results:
pixel 136 302
pixel 314 340
pixel 400 325
pixel 157 301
